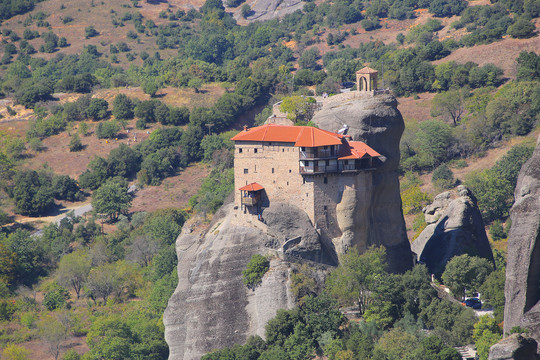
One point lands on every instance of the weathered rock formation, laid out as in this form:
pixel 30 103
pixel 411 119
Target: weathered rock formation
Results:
pixel 522 288
pixel 377 220
pixel 515 347
pixel 455 227
pixel 211 307
pixel 270 9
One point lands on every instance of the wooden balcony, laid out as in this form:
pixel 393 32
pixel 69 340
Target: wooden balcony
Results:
pixel 250 201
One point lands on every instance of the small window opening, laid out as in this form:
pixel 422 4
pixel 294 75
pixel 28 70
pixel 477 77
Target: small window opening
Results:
pixel 290 171
pixel 272 170
pixel 283 150
pixel 245 171
pixel 326 180
pixel 304 181
pixel 287 183
pixel 255 151
pixel 240 150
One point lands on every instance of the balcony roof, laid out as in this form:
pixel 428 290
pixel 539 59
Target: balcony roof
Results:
pixel 251 187
pixel 356 150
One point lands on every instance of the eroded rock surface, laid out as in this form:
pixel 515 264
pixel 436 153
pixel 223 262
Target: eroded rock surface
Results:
pixel 211 308
pixel 377 220
pixel 522 289
pixel 270 9
pixel 515 347
pixel 455 227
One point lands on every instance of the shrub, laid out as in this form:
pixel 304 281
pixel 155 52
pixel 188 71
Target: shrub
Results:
pixel 257 266
pixel 55 298
pixel 107 130
pixel 496 231
pixel 443 177
pixel 522 29
pixel 90 31
pixel 7 309
pixel 75 143
pixel 414 200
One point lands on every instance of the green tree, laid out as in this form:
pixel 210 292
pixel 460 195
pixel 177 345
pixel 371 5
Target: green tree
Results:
pixel 56 297
pixel 32 193
pixel 107 130
pixel 75 143
pixel 466 272
pixel 433 140
pixel 122 107
pixel 298 108
pixel 522 29
pixel 98 109
pixel 66 188
pixel 150 88
pixel 165 225
pixel 353 281
pixel 111 199
pixel 110 337
pixel 257 266
pixel 449 105
pixel 73 270
pixel 52 332
pixel 195 83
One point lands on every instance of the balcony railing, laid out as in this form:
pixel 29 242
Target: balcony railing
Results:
pixel 320 154
pixel 318 169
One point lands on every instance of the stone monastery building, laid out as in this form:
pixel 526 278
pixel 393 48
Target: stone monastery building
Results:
pixel 301 165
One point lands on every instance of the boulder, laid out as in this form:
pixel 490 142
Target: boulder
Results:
pixel 455 227
pixel 378 220
pixel 514 347
pixel 522 289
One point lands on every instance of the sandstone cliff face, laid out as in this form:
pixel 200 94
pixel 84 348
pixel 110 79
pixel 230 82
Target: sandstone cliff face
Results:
pixel 455 227
pixel 211 308
pixel 378 220
pixel 522 289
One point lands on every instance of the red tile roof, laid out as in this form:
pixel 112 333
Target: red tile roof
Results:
pixel 251 187
pixel 299 135
pixel 356 150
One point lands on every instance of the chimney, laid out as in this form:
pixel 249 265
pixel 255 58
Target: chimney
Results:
pixel 245 127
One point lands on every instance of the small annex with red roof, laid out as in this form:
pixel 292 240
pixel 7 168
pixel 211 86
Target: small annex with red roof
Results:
pixel 286 163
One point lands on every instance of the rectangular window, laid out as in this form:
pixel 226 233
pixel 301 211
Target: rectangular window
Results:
pixel 255 168
pixel 303 180
pixel 255 150
pixel 326 180
pixel 272 170
pixel 240 150
pixel 290 171
pixel 245 171
pixel 327 162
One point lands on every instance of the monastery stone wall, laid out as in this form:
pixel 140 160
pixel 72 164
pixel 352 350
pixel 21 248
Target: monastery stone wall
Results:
pixel 276 167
